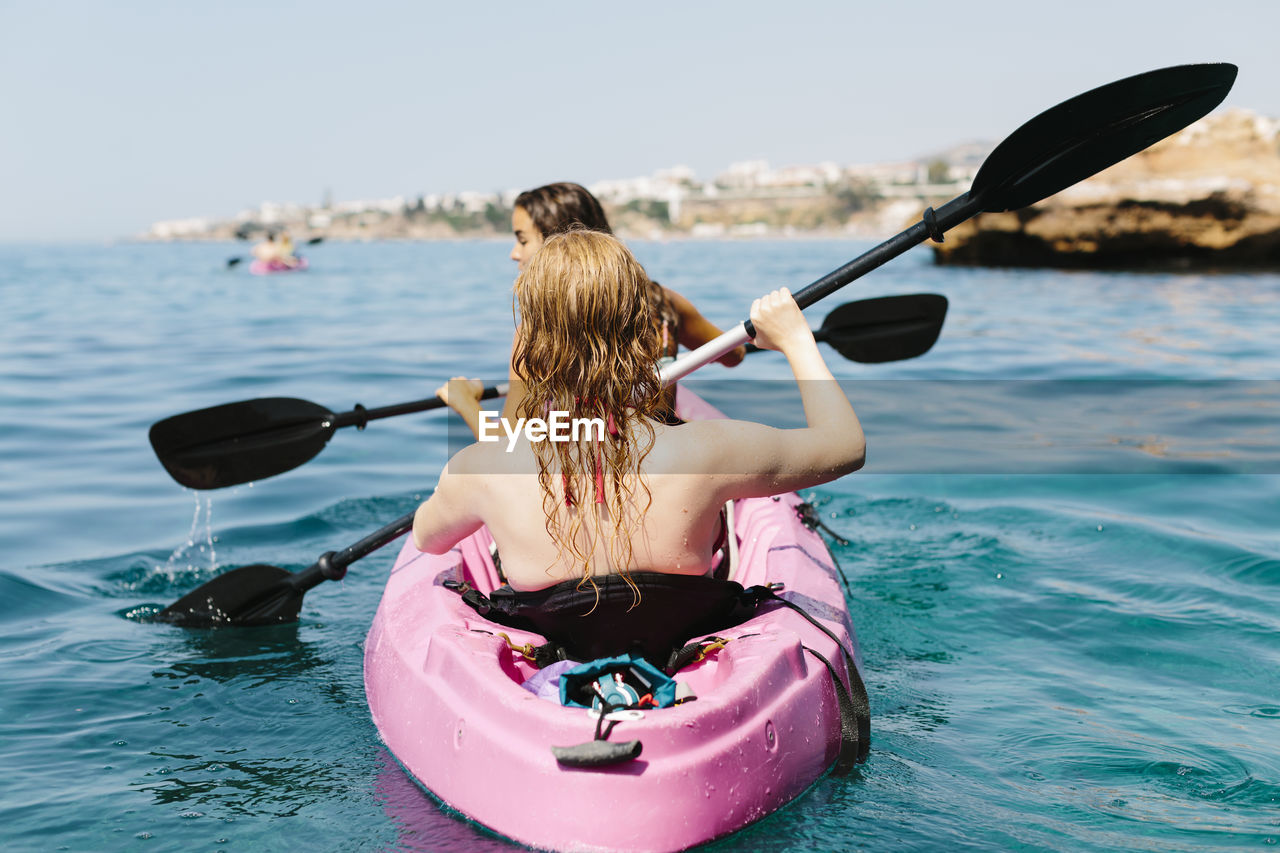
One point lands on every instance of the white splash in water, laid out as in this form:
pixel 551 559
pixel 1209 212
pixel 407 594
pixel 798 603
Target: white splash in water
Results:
pixel 198 552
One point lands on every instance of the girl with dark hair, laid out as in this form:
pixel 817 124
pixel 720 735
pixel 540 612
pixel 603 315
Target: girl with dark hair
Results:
pixel 556 208
pixel 552 209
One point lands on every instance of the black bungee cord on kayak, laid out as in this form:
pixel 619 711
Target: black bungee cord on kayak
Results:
pixel 808 515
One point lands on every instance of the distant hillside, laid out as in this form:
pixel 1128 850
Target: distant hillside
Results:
pixel 749 199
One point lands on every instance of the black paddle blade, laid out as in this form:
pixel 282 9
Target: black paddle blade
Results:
pixel 250 595
pixel 231 262
pixel 241 442
pixel 1088 133
pixel 890 328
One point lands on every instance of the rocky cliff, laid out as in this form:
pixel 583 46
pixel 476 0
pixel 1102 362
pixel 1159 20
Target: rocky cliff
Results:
pixel 1207 197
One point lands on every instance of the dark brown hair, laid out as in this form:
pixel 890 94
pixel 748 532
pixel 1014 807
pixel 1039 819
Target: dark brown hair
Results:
pixel 555 208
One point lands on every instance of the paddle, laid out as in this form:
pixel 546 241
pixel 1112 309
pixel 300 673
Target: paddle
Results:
pixel 231 262
pixel 265 595
pixel 888 328
pixel 255 439
pixel 1055 149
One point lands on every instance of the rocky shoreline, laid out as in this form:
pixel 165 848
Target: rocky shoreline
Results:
pixel 1205 198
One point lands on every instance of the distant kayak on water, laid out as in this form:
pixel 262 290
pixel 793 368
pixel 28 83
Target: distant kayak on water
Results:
pixel 275 265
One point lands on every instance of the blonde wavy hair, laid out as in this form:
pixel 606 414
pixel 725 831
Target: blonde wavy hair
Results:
pixel 588 344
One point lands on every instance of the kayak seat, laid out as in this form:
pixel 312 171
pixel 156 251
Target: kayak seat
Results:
pixel 654 616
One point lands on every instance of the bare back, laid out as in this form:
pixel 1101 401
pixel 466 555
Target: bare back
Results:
pixel 690 472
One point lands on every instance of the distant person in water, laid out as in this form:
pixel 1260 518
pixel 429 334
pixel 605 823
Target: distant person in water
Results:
pixel 287 257
pixel 276 250
pixel 268 249
pixel 556 208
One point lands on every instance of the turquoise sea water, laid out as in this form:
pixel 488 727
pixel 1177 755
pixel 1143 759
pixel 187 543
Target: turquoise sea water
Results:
pixel 1079 649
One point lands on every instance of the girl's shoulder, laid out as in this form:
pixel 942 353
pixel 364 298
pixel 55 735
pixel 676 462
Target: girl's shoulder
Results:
pixel 693 447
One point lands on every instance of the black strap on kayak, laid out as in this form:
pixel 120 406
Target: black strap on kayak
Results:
pixel 694 652
pixel 652 615
pixel 540 656
pixel 855 707
pixel 808 515
pixel 855 719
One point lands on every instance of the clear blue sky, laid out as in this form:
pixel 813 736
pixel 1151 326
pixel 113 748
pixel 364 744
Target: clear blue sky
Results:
pixel 117 114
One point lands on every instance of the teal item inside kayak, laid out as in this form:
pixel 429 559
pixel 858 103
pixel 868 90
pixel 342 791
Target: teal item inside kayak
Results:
pixel 625 681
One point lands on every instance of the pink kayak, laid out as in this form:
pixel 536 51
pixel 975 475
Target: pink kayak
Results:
pixel 274 266
pixel 444 689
